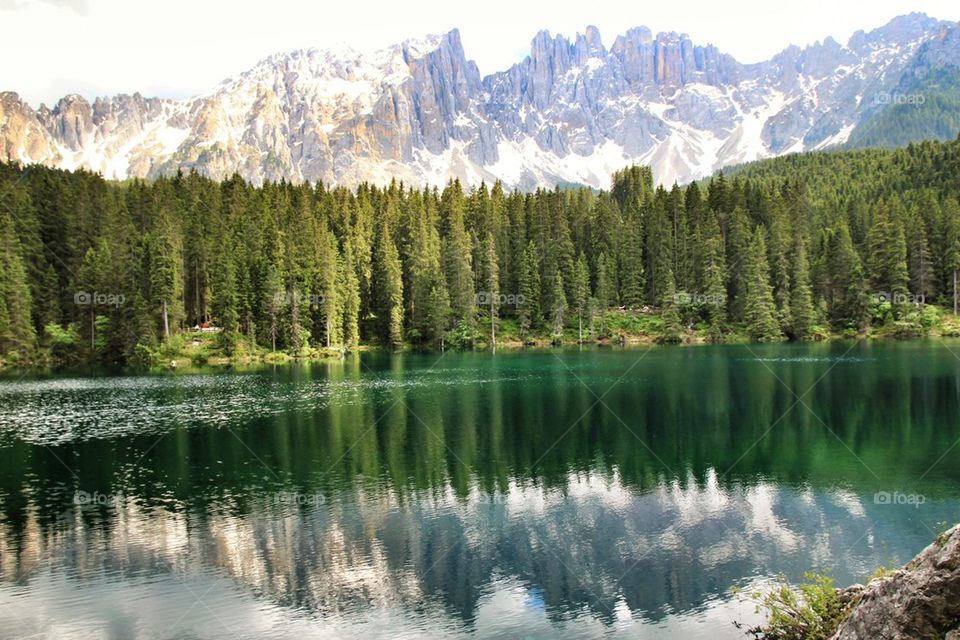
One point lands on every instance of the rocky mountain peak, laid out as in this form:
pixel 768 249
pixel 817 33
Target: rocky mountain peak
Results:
pixel 905 28
pixel 573 110
pixel 589 45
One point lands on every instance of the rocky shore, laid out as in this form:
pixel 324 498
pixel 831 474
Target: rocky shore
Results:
pixel 919 601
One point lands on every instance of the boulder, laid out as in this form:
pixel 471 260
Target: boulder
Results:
pixel 919 601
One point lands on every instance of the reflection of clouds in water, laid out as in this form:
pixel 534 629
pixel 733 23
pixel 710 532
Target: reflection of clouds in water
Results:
pixel 764 522
pixel 848 501
pixel 210 606
pixel 527 559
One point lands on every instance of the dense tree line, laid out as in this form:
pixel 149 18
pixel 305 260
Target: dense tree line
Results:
pixel 782 248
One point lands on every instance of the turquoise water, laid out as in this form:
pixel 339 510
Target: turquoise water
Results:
pixel 573 494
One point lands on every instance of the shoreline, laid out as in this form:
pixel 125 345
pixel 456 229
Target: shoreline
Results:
pixel 183 363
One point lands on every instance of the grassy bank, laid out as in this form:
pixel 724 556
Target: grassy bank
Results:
pixel 198 350
pixel 625 327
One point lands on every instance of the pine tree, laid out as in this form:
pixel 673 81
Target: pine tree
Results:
pixel 682 263
pixel 388 282
pixel 760 311
pixel 950 259
pixel 606 293
pixel 738 254
pixel 438 311
pixel 780 266
pixel 330 288
pixel 92 276
pixel 559 305
pixel 672 327
pixel 948 252
pixel 713 278
pixel 166 273
pixel 17 334
pixel 529 285
pixel 457 258
pixel 492 285
pixel 350 293
pixel 801 295
pixel 224 303
pixel 605 232
pixel 581 292
pixel 919 259
pixel 631 263
pixel 423 267
pixel 659 248
pixel 299 336
pixel 273 300
pixel 887 254
pixel 846 285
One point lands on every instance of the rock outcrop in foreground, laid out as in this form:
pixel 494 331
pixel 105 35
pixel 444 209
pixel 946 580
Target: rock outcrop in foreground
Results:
pixel 921 600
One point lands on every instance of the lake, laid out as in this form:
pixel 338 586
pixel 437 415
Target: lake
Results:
pixel 527 495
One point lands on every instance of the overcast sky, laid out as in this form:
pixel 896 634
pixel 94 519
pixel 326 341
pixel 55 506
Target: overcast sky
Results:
pixel 177 48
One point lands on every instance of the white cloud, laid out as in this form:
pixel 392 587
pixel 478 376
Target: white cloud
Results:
pixel 54 47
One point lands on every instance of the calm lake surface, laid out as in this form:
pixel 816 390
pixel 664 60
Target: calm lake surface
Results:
pixel 548 494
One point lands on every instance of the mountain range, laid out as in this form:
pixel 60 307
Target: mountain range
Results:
pixel 573 111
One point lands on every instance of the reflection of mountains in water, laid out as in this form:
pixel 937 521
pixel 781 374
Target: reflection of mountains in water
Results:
pixel 427 488
pixel 593 546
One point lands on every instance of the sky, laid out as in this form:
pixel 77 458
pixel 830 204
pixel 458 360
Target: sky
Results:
pixel 179 48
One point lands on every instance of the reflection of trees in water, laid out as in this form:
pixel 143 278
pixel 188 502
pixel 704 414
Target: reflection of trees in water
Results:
pixel 434 486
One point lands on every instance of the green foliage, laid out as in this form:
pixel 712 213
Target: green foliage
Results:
pixel 63 342
pixel 144 357
pixel 633 323
pixel 929 317
pixel 462 336
pixel 907 327
pixel 812 611
pixel 949 326
pixel 60 337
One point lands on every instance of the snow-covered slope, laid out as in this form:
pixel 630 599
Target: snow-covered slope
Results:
pixel 573 111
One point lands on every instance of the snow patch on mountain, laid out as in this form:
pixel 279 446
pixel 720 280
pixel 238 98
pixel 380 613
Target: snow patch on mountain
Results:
pixel 573 111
